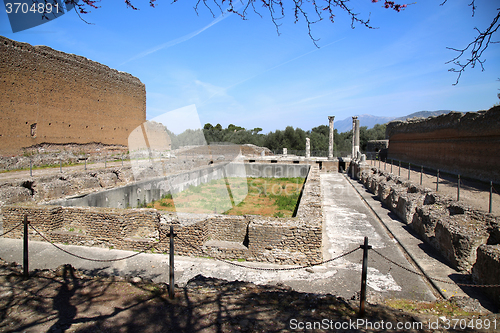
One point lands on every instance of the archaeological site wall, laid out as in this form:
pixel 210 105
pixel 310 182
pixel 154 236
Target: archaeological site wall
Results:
pixel 53 97
pixel 467 238
pixel 466 144
pixel 296 240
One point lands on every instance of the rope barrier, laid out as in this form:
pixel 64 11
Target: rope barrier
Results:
pixel 92 259
pixel 5 233
pixel 273 269
pixel 435 279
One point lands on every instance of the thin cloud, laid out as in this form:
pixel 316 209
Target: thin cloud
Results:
pixel 178 40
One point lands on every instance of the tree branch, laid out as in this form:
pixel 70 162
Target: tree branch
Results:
pixel 477 47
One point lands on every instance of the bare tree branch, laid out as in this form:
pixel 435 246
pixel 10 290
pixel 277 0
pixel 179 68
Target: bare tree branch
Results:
pixel 477 47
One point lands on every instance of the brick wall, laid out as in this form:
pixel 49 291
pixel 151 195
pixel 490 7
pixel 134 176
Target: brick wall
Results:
pixel 279 240
pixel 54 97
pixel 466 144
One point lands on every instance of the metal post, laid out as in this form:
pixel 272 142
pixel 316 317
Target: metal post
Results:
pixel 491 195
pixel 385 164
pixel 105 161
pixel 171 286
pixel 409 169
pixel 364 271
pixel 392 161
pixel 437 181
pixel 25 248
pixel 85 162
pixel 31 168
pixel 60 166
pixel 458 188
pixel 379 162
pixel 421 174
pixel 122 161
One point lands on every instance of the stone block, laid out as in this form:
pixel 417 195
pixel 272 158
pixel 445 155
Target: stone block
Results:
pixel 458 242
pixel 407 204
pixel 425 220
pixel 486 270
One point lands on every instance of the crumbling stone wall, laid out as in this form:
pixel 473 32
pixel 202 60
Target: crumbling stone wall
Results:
pixel 466 144
pixel 256 238
pixel 469 239
pixel 50 96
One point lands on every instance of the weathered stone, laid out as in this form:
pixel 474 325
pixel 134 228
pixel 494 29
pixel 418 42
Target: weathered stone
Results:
pixel 286 240
pixel 330 137
pixel 425 220
pixel 458 243
pixel 101 96
pixel 486 270
pixel 407 204
pixel 470 140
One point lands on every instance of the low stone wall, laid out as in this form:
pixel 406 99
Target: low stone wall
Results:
pixel 466 237
pixel 39 188
pixel 255 238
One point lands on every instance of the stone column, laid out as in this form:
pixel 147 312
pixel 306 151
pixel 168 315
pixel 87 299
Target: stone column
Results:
pixel 285 151
pixel 353 156
pixel 330 141
pixel 355 137
pixel 308 148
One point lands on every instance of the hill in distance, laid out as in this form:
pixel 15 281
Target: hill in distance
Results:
pixel 370 120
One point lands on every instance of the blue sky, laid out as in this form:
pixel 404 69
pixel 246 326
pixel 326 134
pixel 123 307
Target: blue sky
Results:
pixel 241 72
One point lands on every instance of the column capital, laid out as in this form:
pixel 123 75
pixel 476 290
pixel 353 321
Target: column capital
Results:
pixel 331 118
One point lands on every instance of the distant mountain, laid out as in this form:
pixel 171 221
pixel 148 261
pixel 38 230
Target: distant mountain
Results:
pixel 364 120
pixel 370 121
pixel 424 114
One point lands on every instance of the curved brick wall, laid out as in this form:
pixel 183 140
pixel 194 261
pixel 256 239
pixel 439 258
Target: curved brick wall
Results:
pixel 54 97
pixel 466 144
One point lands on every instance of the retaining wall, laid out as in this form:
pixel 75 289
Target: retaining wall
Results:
pixel 466 237
pixel 255 238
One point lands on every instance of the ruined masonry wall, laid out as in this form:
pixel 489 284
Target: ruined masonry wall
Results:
pixel 466 144
pixel 255 238
pixel 50 96
pixel 469 239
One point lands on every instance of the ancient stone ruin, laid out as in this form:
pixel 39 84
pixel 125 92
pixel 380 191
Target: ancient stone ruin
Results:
pixel 466 144
pixel 51 97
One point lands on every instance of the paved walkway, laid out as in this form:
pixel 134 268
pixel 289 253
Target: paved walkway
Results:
pixel 347 221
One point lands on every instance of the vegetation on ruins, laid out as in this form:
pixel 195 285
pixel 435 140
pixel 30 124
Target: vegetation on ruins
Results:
pixel 276 197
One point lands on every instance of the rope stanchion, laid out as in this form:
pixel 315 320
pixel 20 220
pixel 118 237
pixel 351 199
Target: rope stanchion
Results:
pixel 12 229
pixel 435 279
pixel 275 269
pixel 92 259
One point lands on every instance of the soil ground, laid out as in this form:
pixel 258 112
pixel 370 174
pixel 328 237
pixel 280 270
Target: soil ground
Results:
pixel 66 300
